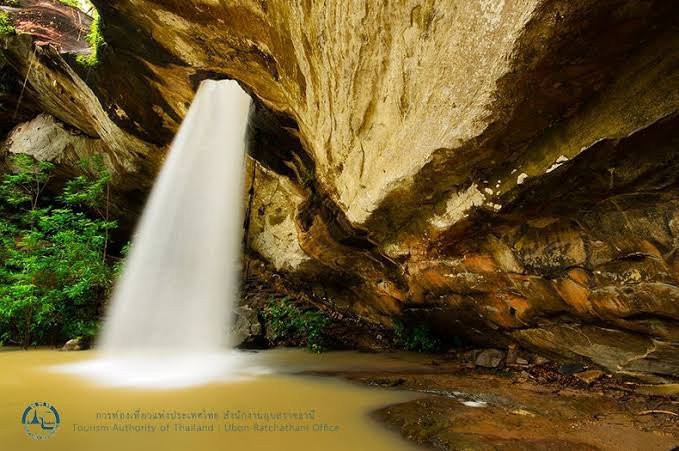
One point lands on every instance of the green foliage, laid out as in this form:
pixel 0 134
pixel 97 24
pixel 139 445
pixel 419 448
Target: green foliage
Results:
pixel 418 338
pixel 119 264
pixel 83 5
pixel 287 322
pixel 54 273
pixel 94 37
pixel 24 187
pixel 89 190
pixel 6 27
pixel 96 40
pixel 71 3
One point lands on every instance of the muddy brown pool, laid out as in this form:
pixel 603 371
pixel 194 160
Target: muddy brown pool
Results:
pixel 279 410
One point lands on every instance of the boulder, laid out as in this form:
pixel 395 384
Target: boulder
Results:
pixel 490 358
pixel 247 329
pixel 77 344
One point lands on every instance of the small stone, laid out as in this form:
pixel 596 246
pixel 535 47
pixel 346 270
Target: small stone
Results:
pixel 569 369
pixel 490 358
pixel 589 376
pixel 539 360
pixel 76 344
pixel 521 361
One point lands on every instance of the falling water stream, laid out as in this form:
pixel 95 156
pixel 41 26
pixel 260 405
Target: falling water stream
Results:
pixel 168 317
pixel 181 277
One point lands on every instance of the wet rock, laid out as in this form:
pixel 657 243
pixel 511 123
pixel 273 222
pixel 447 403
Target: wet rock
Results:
pixel 247 329
pixel 670 390
pixel 568 369
pixel 616 351
pixel 589 376
pixel 490 358
pixel 534 417
pixel 539 360
pixel 77 344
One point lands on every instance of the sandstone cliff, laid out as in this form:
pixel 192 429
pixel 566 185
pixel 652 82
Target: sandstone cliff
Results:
pixel 501 170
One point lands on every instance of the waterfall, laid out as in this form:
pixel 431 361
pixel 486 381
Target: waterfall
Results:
pixel 167 324
pixel 180 280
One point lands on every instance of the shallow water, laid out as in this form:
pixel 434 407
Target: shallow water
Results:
pixel 322 413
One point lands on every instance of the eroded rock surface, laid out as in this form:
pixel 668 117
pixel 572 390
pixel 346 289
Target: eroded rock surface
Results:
pixel 503 171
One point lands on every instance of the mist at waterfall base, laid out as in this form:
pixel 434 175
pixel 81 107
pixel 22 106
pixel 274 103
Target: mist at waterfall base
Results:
pixel 168 319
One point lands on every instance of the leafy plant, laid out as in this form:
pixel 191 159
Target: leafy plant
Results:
pixel 96 41
pixel 418 338
pixel 85 6
pixel 119 264
pixel 94 37
pixel 54 271
pixel 71 3
pixel 286 321
pixel 92 191
pixel 6 27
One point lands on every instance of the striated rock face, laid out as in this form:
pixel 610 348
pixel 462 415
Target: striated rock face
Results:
pixel 272 231
pixel 504 171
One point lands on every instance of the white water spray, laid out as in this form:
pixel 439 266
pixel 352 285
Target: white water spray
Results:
pixel 168 319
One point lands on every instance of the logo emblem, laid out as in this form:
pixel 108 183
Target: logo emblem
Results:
pixel 41 420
